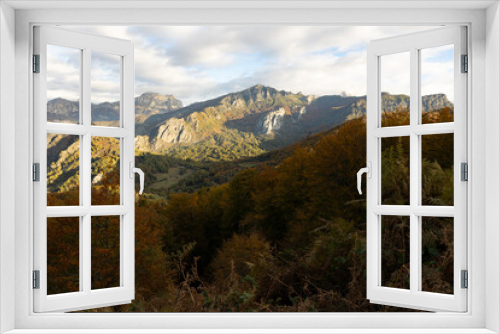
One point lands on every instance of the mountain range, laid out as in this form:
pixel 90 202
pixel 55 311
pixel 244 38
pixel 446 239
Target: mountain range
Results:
pixel 255 125
pixel 234 125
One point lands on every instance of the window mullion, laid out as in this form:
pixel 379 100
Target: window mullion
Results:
pixel 86 87
pixel 415 260
pixel 85 173
pixel 86 163
pixel 86 235
pixel 85 264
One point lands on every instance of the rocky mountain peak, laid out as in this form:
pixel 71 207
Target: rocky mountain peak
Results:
pixel 262 92
pixel 62 106
pixel 259 96
pixel 62 110
pixel 151 100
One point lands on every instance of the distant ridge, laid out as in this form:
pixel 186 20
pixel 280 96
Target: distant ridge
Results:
pixel 61 110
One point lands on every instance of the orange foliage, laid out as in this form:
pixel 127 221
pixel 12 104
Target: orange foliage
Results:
pixel 289 237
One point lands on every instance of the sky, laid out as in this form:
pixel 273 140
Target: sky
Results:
pixel 196 63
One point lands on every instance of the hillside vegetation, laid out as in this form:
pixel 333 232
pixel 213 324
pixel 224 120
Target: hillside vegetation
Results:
pixel 286 233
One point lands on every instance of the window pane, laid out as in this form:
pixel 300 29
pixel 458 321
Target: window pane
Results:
pixel 63 170
pixel 437 254
pixel 396 252
pixel 63 84
pixel 437 169
pixel 395 89
pixel 105 86
pixel 105 171
pixel 396 171
pixel 437 84
pixel 63 255
pixel 105 252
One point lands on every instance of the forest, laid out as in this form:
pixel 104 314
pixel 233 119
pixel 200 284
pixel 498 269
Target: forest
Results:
pixel 285 234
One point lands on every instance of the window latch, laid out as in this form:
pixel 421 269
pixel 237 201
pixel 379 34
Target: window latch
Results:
pixel 133 170
pixel 368 171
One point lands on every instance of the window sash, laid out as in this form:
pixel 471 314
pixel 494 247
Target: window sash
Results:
pixel 414 298
pixel 85 298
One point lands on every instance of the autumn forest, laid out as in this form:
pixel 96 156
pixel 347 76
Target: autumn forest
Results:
pixel 280 229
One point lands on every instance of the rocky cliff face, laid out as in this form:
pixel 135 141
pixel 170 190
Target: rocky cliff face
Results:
pixel 173 131
pixel 435 102
pixel 301 112
pixel 391 103
pixel 270 122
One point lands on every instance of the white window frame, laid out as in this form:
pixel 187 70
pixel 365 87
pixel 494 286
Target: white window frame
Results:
pixel 411 44
pixel 483 314
pixel 85 297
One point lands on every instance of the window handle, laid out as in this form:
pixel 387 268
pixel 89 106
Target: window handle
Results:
pixel 134 170
pixel 368 171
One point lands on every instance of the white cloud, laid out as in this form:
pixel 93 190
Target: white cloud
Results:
pixel 395 73
pixel 63 73
pixel 197 63
pixel 438 71
pixel 104 77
